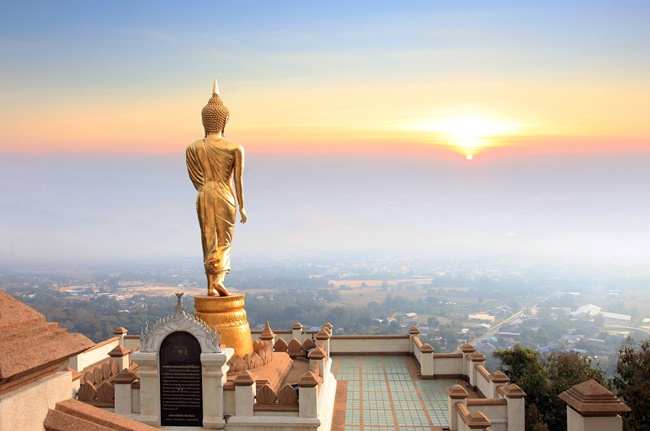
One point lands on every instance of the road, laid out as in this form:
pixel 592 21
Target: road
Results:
pixel 495 329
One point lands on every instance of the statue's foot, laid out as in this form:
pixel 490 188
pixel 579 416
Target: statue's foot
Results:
pixel 221 289
pixel 212 292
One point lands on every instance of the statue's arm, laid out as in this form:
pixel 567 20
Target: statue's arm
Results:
pixel 239 181
pixel 194 167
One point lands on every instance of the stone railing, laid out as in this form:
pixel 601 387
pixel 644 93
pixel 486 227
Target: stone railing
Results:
pixel 504 413
pixel 350 344
pixel 435 365
pixel 94 354
pixel 95 369
pixel 424 355
pixel 96 384
pixel 306 401
pixel 448 365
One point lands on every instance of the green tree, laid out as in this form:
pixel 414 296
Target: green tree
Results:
pixel 632 384
pixel 524 368
pixel 544 378
pixel 564 370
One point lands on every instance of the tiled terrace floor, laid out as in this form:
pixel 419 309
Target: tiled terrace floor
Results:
pixel 385 394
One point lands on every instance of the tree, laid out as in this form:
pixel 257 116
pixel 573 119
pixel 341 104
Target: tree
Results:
pixel 632 384
pixel 524 368
pixel 563 371
pixel 544 378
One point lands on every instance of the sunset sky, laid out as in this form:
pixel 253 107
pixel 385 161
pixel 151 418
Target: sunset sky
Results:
pixel 359 121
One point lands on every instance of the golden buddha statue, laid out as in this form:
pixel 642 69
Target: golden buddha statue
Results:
pixel 214 166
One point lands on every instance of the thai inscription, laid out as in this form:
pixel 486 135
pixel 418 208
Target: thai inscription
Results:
pixel 181 395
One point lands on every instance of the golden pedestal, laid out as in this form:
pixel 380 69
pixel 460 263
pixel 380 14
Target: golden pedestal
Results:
pixel 227 315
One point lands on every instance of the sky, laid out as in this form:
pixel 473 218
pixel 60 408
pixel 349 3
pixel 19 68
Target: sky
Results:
pixel 444 128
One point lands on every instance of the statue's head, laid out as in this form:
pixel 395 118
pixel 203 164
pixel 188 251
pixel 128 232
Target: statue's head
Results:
pixel 214 114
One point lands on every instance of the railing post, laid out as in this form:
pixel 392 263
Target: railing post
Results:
pixel 123 393
pixel 426 367
pixel 516 406
pixel 296 331
pixel 245 388
pixel 268 335
pixel 455 394
pixel 318 356
pixel 121 332
pixel 121 356
pixel 308 400
pixel 475 358
pixel 467 349
pixel 324 338
pixel 497 379
pixel 214 369
pixel 413 332
pixel 149 387
pixel 591 407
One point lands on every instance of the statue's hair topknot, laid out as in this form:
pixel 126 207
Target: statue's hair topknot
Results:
pixel 214 115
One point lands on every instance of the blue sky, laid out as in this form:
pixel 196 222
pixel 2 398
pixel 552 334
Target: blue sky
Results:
pixel 340 107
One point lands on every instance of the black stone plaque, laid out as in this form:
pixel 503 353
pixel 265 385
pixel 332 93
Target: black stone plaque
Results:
pixel 181 394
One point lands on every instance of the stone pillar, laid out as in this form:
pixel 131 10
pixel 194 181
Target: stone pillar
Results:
pixel 123 392
pixel 516 406
pixel 323 338
pixel 122 356
pixel 121 332
pixel 427 367
pixel 591 407
pixel 474 358
pixel 308 400
pixel 413 332
pixel 214 370
pixel 466 350
pixel 455 394
pixel 149 387
pixel 497 379
pixel 318 355
pixel 245 389
pixel 328 327
pixel 268 335
pixel 296 331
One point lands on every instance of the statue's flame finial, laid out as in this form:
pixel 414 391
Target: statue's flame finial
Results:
pixel 215 88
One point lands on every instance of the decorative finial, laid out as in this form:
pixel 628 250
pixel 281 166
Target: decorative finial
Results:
pixel 215 88
pixel 180 308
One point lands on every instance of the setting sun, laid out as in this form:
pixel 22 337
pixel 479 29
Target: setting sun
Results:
pixel 469 134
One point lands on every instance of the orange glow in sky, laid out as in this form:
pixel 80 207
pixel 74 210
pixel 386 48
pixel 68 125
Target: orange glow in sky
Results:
pixel 469 134
pixel 304 91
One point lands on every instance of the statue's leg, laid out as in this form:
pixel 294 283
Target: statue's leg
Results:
pixel 225 223
pixel 211 286
pixel 219 286
pixel 205 209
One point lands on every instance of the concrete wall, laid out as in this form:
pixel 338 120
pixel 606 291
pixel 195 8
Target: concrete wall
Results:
pixel 132 342
pixel 95 354
pixel 497 412
pixel 353 344
pixel 26 407
pixel 448 364
pixel 483 380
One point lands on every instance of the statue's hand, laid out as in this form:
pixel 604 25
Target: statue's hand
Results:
pixel 243 215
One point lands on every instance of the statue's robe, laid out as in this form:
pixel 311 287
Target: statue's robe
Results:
pixel 211 170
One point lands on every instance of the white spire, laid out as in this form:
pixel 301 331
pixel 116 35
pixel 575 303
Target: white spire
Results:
pixel 215 89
